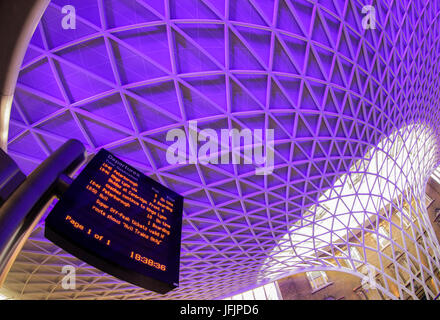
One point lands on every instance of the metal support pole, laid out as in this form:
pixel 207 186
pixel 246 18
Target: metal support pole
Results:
pixel 23 209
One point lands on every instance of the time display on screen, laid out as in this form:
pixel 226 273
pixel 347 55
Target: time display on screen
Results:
pixel 122 222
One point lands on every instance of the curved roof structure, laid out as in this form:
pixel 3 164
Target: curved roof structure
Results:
pixel 346 90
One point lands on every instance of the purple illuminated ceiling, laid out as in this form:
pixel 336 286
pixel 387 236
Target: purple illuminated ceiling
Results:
pixel 133 70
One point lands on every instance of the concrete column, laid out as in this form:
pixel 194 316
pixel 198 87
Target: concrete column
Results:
pixel 18 20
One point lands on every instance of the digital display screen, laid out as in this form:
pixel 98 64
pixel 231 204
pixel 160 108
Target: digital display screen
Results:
pixel 124 223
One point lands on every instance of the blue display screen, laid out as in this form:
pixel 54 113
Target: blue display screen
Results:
pixel 124 223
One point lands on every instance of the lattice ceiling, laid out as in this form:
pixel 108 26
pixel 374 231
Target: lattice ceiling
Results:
pixel 132 70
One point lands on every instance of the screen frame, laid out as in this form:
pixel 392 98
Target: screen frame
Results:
pixel 65 241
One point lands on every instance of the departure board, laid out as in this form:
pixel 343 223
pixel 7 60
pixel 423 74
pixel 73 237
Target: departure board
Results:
pixel 122 222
